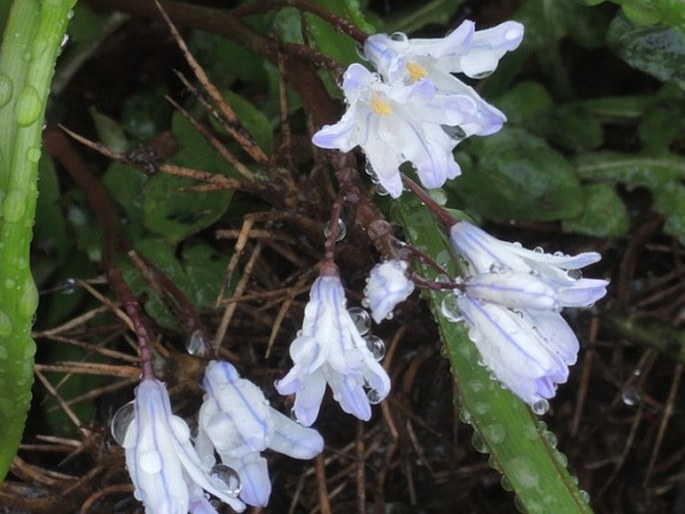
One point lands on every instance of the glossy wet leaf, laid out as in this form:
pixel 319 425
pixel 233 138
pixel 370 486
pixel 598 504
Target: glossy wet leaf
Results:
pixel 658 51
pixel 650 12
pixel 518 444
pixel 513 174
pixel 332 42
pixel 604 213
pixel 173 213
pixel 197 272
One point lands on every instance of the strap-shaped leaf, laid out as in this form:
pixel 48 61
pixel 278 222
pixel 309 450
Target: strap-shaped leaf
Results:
pixel 519 444
pixel 33 35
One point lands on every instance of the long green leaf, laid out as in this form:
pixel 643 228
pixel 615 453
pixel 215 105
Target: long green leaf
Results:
pixel 519 444
pixel 30 46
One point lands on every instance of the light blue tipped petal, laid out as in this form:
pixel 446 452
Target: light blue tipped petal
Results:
pixel 292 439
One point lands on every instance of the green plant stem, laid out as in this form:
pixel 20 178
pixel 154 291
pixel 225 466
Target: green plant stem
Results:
pixel 30 47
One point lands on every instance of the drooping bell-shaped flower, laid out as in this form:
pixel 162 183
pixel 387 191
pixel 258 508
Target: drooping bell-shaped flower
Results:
pixel 238 423
pixel 387 286
pixel 510 300
pixel 397 123
pixel 330 349
pixel 168 474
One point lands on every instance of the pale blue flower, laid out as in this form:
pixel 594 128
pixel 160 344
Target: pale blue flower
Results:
pixel 387 286
pixel 330 349
pixel 167 472
pixel 399 123
pixel 476 54
pixel 237 422
pixel 510 301
pixel 464 50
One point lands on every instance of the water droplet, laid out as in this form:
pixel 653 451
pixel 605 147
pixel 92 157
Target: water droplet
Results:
pixel 374 397
pixel 197 343
pixel 539 249
pixel 540 407
pixel 482 74
pixel 342 230
pixel 69 286
pixel 5 89
pixel 376 346
pixel 584 495
pixel 361 319
pixel 438 195
pixel 150 461
pixel 5 325
pixel 381 191
pixel 28 299
pixel 478 443
pixel 29 106
pixel 450 308
pixel 455 133
pixel 293 415
pixel 506 484
pixel 465 416
pixel 562 459
pixel 495 433
pixel 399 36
pixel 65 40
pixel 526 474
pixel 121 421
pixel 551 438
pixel 33 154
pixel 226 478
pixel 498 267
pixel 366 303
pixel 14 206
pixel 631 396
pixel 574 274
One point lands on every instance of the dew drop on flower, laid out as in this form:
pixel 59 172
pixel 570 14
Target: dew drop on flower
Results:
pixel 342 230
pixel 121 421
pixel 539 249
pixel 150 461
pixel 196 344
pixel 455 133
pixel 398 36
pixel 574 274
pixel 226 478
pixel 482 75
pixel 540 407
pixel 361 319
pixel 630 396
pixel 374 397
pixel 450 308
pixel 293 415
pixel 376 346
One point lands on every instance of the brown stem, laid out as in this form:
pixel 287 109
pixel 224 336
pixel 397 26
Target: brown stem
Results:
pixel 59 146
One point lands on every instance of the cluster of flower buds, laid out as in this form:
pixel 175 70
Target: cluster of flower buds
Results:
pixel 414 109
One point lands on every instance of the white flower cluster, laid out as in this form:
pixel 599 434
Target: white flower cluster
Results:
pixel 171 474
pixel 414 109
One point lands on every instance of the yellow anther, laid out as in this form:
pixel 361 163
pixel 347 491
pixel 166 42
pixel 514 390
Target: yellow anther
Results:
pixel 381 107
pixel 416 72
